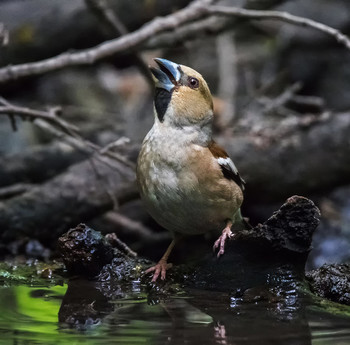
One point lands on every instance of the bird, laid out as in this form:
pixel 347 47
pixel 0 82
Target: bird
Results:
pixel 187 182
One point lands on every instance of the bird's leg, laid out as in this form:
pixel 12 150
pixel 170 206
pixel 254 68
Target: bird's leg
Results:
pixel 162 266
pixel 220 242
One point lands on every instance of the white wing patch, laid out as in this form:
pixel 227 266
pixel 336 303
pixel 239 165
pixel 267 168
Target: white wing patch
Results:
pixel 228 163
pixel 230 171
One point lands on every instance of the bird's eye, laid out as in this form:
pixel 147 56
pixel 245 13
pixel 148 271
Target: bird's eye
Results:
pixel 193 83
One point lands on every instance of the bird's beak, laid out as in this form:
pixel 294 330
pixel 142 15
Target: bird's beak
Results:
pixel 168 76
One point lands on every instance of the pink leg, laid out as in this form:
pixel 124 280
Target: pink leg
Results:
pixel 220 242
pixel 162 266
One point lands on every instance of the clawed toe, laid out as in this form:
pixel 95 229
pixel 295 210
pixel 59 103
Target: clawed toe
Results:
pixel 159 269
pixel 220 242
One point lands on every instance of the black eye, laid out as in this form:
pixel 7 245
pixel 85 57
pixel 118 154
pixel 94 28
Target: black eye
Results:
pixel 193 83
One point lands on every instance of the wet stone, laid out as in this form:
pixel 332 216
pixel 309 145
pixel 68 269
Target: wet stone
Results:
pixel 84 251
pixel 331 282
pixel 289 229
pixel 272 254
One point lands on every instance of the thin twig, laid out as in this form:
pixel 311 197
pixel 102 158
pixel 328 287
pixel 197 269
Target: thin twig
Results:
pixel 27 113
pixel 135 227
pixel 113 239
pixel 132 225
pixel 122 141
pixel 115 25
pixel 213 25
pixel 312 103
pixel 282 16
pixel 86 147
pixel 107 15
pixel 63 130
pixel 279 101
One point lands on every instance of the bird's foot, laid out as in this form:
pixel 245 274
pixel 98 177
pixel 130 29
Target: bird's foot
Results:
pixel 159 269
pixel 220 242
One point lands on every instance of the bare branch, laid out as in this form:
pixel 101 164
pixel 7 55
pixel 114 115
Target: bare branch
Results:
pixel 197 10
pixel 26 113
pixel 283 16
pixel 208 26
pixel 312 103
pixel 213 25
pixel 280 100
pixel 135 227
pixel 113 239
pixel 192 12
pixel 107 15
pixel 87 147
pixel 64 130
pixel 116 26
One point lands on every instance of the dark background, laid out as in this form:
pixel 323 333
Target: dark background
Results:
pixel 281 95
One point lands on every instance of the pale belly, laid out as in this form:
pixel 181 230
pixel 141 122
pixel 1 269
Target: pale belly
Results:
pixel 187 207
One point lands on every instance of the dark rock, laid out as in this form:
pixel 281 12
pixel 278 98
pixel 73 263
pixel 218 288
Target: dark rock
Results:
pixel 290 228
pixel 271 254
pixel 84 251
pixel 121 269
pixel 331 282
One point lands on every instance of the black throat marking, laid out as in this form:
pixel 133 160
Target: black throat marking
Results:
pixel 162 99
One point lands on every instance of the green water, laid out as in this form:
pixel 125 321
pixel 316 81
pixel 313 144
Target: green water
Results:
pixel 30 315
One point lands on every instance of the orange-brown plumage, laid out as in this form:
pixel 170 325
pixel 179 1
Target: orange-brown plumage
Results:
pixel 216 150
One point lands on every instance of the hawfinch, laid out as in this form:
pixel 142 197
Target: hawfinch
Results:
pixel 187 182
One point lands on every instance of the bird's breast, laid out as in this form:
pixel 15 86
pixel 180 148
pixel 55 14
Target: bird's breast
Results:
pixel 181 195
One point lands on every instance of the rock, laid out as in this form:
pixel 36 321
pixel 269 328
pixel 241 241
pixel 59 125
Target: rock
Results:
pixel 331 282
pixel 288 229
pixel 84 251
pixel 270 256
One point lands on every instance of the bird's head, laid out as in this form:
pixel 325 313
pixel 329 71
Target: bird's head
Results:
pixel 182 96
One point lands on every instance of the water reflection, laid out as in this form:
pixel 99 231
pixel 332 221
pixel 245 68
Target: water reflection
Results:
pixel 84 313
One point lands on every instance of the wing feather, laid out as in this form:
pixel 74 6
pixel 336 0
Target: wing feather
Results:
pixel 227 166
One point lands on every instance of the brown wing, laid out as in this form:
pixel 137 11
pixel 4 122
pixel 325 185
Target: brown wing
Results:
pixel 227 166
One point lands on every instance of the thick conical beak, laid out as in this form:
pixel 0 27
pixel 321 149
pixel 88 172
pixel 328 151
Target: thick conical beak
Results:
pixel 168 76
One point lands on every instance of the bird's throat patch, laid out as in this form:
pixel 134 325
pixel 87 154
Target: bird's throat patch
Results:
pixel 161 102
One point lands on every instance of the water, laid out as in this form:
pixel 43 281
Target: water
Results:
pixel 81 314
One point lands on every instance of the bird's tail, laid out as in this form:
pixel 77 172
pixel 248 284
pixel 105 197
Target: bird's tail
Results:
pixel 240 223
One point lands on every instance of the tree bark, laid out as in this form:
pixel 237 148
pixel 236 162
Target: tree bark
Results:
pixel 46 28
pixel 307 160
pixel 38 164
pixel 85 190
